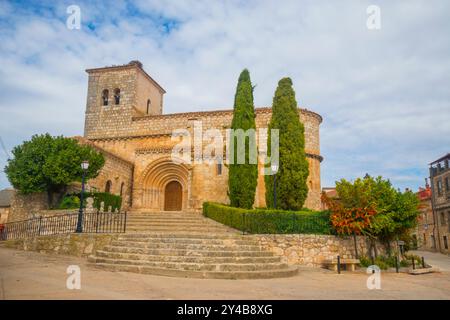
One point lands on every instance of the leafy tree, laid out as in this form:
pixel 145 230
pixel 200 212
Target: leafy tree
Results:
pixel 388 212
pixel 49 164
pixel 293 171
pixel 242 178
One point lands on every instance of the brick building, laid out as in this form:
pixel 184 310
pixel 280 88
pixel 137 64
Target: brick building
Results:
pixel 124 119
pixel 440 201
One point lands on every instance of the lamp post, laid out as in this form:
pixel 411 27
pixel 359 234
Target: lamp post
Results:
pixel 84 166
pixel 274 171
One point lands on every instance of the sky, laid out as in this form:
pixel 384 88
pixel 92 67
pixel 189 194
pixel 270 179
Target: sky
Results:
pixel 384 94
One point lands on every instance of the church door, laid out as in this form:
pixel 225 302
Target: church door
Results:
pixel 173 196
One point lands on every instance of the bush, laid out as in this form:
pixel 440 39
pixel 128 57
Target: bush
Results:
pixel 272 221
pixel 69 202
pixel 72 201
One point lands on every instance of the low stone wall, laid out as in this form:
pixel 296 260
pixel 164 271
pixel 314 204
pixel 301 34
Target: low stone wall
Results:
pixel 312 250
pixel 80 245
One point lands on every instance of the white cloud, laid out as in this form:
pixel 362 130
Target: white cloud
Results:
pixel 384 95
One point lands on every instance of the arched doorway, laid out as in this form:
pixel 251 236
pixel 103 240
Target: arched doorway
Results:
pixel 173 196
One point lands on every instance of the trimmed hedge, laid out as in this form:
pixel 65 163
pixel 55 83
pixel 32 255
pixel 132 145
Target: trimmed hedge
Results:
pixel 263 221
pixel 72 201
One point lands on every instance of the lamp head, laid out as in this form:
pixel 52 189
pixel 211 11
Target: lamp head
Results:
pixel 85 165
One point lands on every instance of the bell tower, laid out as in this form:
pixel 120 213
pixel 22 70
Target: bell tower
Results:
pixel 116 94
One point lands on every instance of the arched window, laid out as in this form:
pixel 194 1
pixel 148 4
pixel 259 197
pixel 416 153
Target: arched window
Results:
pixel 117 96
pixel 148 106
pixel 108 186
pixel 219 168
pixel 122 187
pixel 105 96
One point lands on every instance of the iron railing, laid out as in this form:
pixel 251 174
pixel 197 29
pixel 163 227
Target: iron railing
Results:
pixel 101 222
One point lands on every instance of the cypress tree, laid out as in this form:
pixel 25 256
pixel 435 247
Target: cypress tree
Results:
pixel 242 178
pixel 293 171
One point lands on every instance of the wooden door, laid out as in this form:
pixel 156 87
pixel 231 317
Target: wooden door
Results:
pixel 173 196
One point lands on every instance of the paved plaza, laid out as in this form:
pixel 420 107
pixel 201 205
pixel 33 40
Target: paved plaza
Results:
pixel 31 275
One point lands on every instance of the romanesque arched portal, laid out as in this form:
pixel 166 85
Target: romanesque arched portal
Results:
pixel 163 179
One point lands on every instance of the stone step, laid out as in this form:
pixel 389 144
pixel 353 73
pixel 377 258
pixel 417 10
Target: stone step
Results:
pixel 193 266
pixel 165 216
pixel 165 220
pixel 261 274
pixel 185 235
pixel 176 228
pixel 188 259
pixel 172 224
pixel 171 240
pixel 185 252
pixel 184 246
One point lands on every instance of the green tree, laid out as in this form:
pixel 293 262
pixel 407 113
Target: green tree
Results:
pixel 49 164
pixel 293 171
pixel 396 212
pixel 242 178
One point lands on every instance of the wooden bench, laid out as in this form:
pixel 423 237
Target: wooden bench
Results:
pixel 346 264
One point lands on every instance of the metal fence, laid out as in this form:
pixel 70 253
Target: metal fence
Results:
pixel 101 222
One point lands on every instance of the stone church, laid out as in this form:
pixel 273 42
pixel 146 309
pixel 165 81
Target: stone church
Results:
pixel 125 121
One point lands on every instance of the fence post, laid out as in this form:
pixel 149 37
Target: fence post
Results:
pixel 40 224
pixel 243 223
pixel 339 264
pixel 125 223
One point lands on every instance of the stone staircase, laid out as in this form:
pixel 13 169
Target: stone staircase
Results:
pixel 182 244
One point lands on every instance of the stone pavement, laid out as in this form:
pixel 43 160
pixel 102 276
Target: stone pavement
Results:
pixel 30 275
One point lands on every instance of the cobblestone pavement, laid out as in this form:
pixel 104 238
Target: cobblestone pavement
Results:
pixel 30 275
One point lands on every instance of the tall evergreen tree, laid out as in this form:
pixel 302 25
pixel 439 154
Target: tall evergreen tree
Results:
pixel 293 171
pixel 242 178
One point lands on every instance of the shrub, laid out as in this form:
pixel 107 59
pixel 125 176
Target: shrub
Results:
pixel 69 202
pixel 269 220
pixel 72 201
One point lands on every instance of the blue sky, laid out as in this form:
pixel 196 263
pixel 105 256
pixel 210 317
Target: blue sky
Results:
pixel 384 95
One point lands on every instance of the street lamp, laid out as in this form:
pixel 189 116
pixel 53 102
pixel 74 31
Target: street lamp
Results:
pixel 84 167
pixel 274 171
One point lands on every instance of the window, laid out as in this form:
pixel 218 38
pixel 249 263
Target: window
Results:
pixel 442 219
pixel 122 186
pixel 117 96
pixel 219 168
pixel 105 96
pixel 447 184
pixel 148 106
pixel 445 242
pixel 439 187
pixel 108 186
pixel 424 239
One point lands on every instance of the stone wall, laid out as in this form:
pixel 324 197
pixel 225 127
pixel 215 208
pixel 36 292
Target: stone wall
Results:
pixel 116 170
pixel 27 206
pixel 80 245
pixel 149 139
pixel 312 250
pixel 4 212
